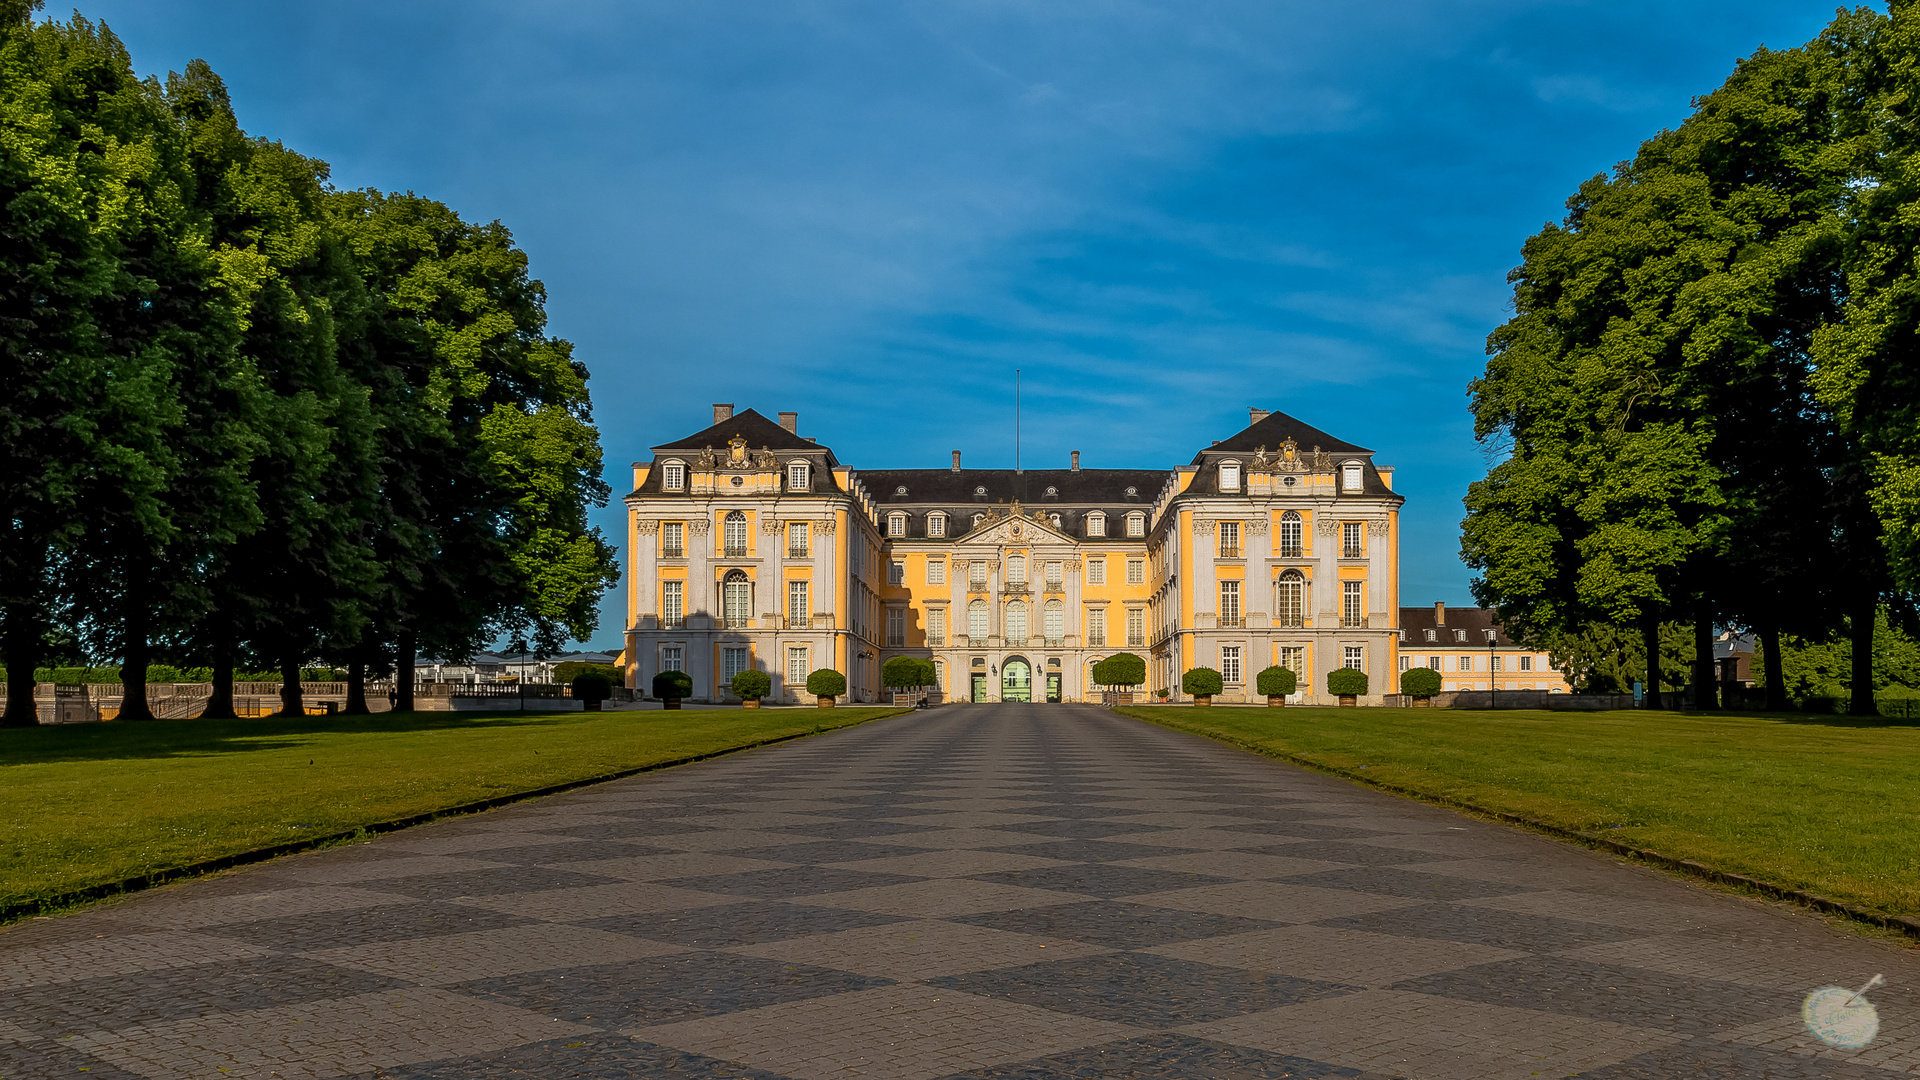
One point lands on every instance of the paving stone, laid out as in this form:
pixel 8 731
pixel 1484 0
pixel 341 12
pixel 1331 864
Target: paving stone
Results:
pixel 362 926
pixel 596 1055
pixel 1233 865
pixel 1345 851
pixel 941 898
pixel 168 909
pixel 1484 926
pixel 822 852
pixel 853 830
pixel 453 958
pixel 790 881
pixel 573 905
pixel 1392 881
pixel 491 881
pixel 914 949
pixel 573 851
pixel 1705 1058
pixel 740 924
pixel 1278 901
pixel 1086 850
pixel 1141 989
pixel 1102 879
pixel 1115 924
pixel 86 957
pixel 664 988
pixel 1354 957
pixel 676 864
pixel 1167 1056
pixel 37 1060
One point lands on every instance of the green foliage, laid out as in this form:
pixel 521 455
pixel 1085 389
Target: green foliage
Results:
pixel 751 685
pixel 1603 659
pixel 672 685
pixel 1276 682
pixel 906 672
pixel 1420 682
pixel 1201 680
pixel 826 682
pixel 592 686
pixel 1823 669
pixel 1345 681
pixel 572 669
pixel 1120 669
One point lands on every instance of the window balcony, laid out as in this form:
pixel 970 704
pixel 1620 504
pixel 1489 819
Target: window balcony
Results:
pixel 1291 620
pixel 1353 553
pixel 1016 642
pixel 1354 621
pixel 673 622
pixel 1229 551
pixel 799 622
pixel 1055 642
pixel 1056 587
pixel 1135 641
pixel 1097 641
pixel 936 641
pixel 1293 552
pixel 672 551
pixel 796 551
pixel 734 551
pixel 1230 622
pixel 738 622
pixel 1015 587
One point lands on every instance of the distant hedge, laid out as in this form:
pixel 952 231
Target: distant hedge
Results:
pixel 1201 680
pixel 903 672
pixel 572 669
pixel 1277 682
pixel 1120 669
pixel 591 686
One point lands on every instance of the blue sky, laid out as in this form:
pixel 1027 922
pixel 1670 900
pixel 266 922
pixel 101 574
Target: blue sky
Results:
pixel 1162 213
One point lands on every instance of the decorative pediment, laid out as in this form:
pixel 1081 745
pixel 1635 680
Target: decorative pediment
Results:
pixel 1015 527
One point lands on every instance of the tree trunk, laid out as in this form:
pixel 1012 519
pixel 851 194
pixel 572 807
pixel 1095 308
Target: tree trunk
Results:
pixel 20 641
pixel 290 702
pixel 1776 672
pixel 220 699
pixel 135 652
pixel 1705 681
pixel 403 673
pixel 357 684
pixel 1865 615
pixel 1650 630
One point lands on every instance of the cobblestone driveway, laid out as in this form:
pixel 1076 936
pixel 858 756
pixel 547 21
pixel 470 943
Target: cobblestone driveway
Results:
pixel 983 891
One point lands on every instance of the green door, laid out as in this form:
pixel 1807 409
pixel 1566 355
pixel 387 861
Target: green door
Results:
pixel 979 686
pixel 1016 681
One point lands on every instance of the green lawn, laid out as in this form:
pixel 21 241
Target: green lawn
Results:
pixel 87 804
pixel 1827 804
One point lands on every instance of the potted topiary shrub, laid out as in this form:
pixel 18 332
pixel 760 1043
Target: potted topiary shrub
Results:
pixel 1123 670
pixel 825 685
pixel 1348 683
pixel 1202 683
pixel 671 686
pixel 590 688
pixel 1276 683
pixel 750 686
pixel 1420 684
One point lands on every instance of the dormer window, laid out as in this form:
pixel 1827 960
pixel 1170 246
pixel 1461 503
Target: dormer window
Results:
pixel 980 493
pixel 797 476
pixel 1096 524
pixel 1133 493
pixel 1054 520
pixel 936 524
pixel 1136 524
pixel 1433 635
pixel 673 476
pixel 1353 478
pixel 1229 476
pixel 896 524
pixel 900 490
pixel 1052 492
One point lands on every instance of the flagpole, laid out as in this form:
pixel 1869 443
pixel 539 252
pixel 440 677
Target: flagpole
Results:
pixel 1016 421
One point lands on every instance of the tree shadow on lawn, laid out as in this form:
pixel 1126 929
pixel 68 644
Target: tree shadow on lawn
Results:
pixel 116 740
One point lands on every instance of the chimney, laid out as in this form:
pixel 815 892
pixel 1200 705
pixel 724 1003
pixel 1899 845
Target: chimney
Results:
pixel 1076 461
pixel 1254 415
pixel 956 461
pixel 1439 613
pixel 722 412
pixel 790 421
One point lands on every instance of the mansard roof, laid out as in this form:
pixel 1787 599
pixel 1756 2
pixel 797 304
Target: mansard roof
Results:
pixel 1273 430
pixel 1476 621
pixel 1081 487
pixel 749 425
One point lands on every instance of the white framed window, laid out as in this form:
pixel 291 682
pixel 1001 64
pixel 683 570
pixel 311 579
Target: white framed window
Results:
pixel 1526 663
pixel 937 626
pixel 1353 608
pixel 735 533
pixel 1290 598
pixel 896 627
pixel 1054 621
pixel 1136 571
pixel 1053 575
pixel 1017 570
pixel 1294 658
pixel 1136 524
pixel 672 658
pixel 736 596
pixel 896 524
pixel 1494 664
pixel 673 596
pixel 797 670
pixel 1433 635
pixel 977 575
pixel 940 675
pixel 896 573
pixel 1229 476
pixel 1356 658
pixel 1466 663
pixel 797 533
pixel 733 661
pixel 673 476
pixel 1016 621
pixel 798 612
pixel 1406 663
pixel 1230 663
pixel 673 540
pixel 1229 539
pixel 977 622
pixel 1434 662
pixel 936 571
pixel 1353 477
pixel 1353 539
pixel 936 524
pixel 1096 524
pixel 1096 571
pixel 1229 603
pixel 1290 535
pixel 797 476
pixel 1136 626
pixel 1097 628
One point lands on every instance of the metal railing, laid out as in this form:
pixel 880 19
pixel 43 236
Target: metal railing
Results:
pixel 796 551
pixel 1294 551
pixel 798 622
pixel 1229 551
pixel 673 622
pixel 1230 622
pixel 1097 641
pixel 1134 641
pixel 1353 553
pixel 1054 642
pixel 1016 642
pixel 734 551
pixel 738 622
pixel 1056 587
pixel 673 551
pixel 1353 621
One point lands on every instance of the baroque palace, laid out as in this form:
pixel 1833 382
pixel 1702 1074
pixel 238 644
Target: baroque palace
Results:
pixel 751 546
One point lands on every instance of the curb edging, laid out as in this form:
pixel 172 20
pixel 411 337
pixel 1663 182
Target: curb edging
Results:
pixel 13 912
pixel 1906 924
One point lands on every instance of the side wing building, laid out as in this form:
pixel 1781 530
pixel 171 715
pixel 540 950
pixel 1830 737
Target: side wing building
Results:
pixel 751 546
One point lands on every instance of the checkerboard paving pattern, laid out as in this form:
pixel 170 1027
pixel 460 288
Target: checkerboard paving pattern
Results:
pixel 977 893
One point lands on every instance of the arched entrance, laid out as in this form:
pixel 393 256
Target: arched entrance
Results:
pixel 1016 680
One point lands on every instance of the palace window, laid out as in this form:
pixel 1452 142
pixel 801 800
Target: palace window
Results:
pixel 798 614
pixel 1016 570
pixel 1434 662
pixel 896 627
pixel 797 668
pixel 896 524
pixel 1526 663
pixel 735 534
pixel 1053 576
pixel 673 477
pixel 1353 544
pixel 1096 524
pixel 733 661
pixel 1230 663
pixel 672 605
pixel 1433 635
pixel 1494 663
pixel 797 539
pixel 939 674
pixel 1136 524
pixel 1016 622
pixel 1353 610
pixel 1229 539
pixel 1230 476
pixel 1352 478
pixel 1294 658
pixel 896 573
pixel 936 524
pixel 936 572
pixel 937 626
pixel 977 622
pixel 1136 626
pixel 1466 663
pixel 736 594
pixel 1096 571
pixel 1097 628
pixel 673 544
pixel 1406 662
pixel 671 658
pixel 1229 603
pixel 977 575
pixel 1290 598
pixel 1355 658
pixel 1055 622
pixel 1136 571
pixel 1290 533
pixel 797 476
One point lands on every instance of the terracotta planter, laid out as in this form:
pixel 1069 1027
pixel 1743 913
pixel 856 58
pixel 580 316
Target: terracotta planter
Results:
pixel 825 701
pixel 1203 699
pixel 1349 700
pixel 590 706
pixel 1276 701
pixel 1423 703
pixel 670 703
pixel 750 703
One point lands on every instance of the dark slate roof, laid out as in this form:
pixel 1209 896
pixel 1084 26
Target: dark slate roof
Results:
pixel 1277 428
pixel 1476 621
pixel 749 425
pixel 1085 487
